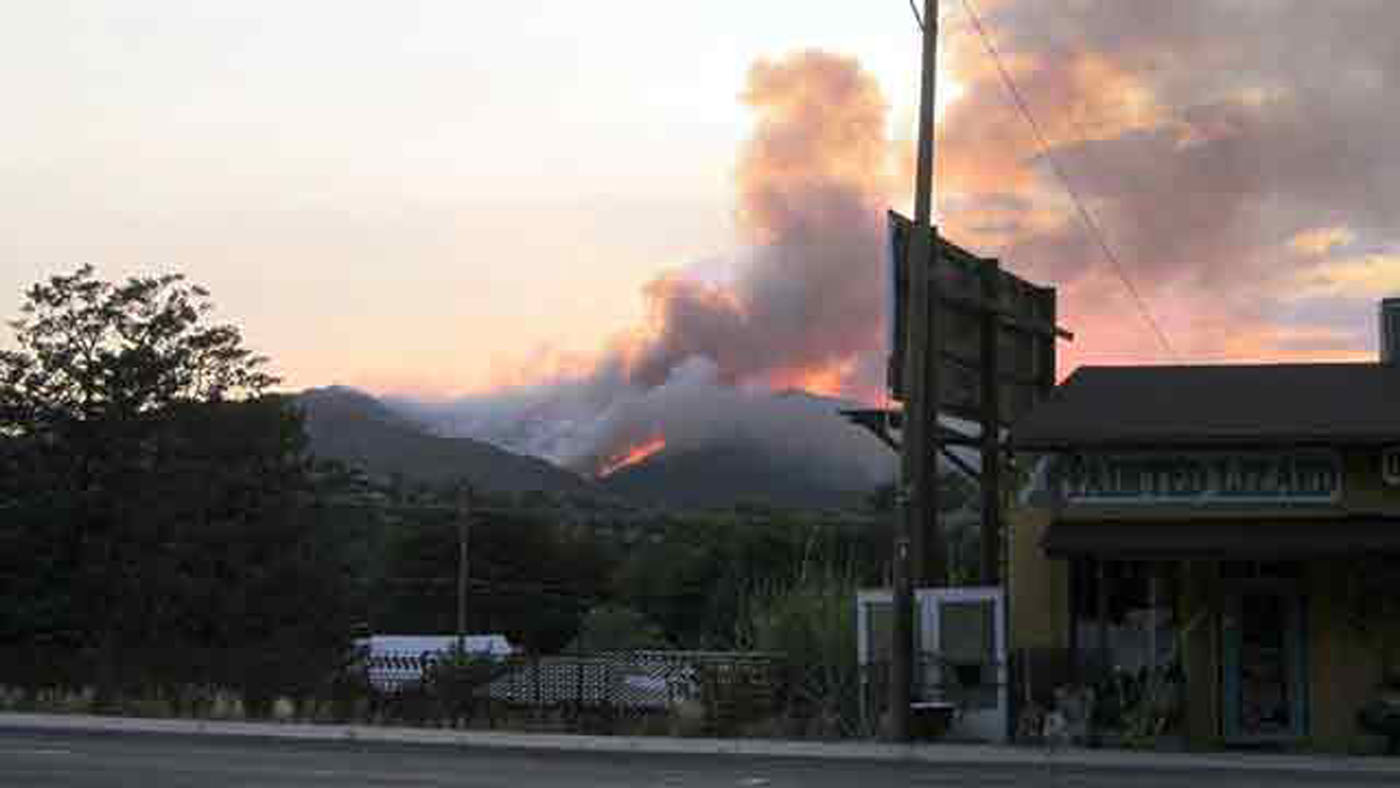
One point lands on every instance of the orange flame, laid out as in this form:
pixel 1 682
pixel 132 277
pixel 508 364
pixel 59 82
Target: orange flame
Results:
pixel 632 456
pixel 828 380
pixel 825 381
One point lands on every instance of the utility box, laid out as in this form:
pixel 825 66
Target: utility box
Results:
pixel 960 666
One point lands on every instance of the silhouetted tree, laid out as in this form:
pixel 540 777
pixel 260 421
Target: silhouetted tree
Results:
pixel 159 519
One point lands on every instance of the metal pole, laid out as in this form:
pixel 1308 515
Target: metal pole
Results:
pixel 917 495
pixel 464 514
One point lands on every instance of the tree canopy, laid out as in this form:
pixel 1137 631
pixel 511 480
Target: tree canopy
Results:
pixel 91 349
pixel 158 502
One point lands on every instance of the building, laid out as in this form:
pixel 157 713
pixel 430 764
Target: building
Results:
pixel 1222 540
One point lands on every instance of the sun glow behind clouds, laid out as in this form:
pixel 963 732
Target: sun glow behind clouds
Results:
pixel 1358 277
pixel 1322 241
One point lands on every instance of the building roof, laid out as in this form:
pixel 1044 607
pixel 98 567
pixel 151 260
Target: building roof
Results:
pixel 1151 407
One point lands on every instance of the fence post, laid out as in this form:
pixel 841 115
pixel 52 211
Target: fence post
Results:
pixel 535 672
pixel 578 692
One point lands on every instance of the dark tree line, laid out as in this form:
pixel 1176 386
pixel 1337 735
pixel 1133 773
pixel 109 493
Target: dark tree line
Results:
pixel 530 579
pixel 684 580
pixel 156 508
pixel 698 580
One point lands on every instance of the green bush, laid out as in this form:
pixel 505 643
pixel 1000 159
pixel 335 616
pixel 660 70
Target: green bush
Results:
pixel 812 624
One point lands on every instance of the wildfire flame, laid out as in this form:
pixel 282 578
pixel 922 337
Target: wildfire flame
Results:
pixel 824 382
pixel 828 380
pixel 632 456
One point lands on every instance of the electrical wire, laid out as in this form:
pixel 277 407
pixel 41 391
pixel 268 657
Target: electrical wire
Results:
pixel 1085 216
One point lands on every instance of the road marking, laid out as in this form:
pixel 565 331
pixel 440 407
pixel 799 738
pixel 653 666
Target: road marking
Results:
pixel 754 782
pixel 41 752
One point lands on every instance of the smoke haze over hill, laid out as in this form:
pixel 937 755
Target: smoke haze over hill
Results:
pixel 804 311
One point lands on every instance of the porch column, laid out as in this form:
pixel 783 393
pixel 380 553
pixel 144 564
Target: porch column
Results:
pixel 1200 587
pixel 1101 610
pixel 1155 571
pixel 1076 595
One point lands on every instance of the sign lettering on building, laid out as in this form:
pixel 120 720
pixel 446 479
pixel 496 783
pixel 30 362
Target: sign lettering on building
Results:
pixel 1390 466
pixel 1202 478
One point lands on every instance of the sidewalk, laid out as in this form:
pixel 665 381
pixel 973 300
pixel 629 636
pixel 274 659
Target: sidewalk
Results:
pixel 933 753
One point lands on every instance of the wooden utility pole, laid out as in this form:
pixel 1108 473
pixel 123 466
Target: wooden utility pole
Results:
pixel 990 559
pixel 464 519
pixel 918 548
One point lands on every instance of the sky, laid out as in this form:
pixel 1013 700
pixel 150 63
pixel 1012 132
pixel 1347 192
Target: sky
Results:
pixel 418 195
pixel 457 198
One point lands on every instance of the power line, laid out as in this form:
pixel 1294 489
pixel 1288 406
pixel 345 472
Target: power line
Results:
pixel 1085 216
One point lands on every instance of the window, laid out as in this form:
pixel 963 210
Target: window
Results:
pixel 1135 633
pixel 1261 570
pixel 967 634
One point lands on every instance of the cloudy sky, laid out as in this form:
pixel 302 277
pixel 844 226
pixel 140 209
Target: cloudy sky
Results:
pixel 447 197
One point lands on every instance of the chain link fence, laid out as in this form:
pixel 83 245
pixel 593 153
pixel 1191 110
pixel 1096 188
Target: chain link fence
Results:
pixel 680 693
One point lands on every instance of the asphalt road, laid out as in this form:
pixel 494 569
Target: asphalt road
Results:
pixel 44 759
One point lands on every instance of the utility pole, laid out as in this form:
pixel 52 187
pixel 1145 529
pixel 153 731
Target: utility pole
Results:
pixel 464 519
pixel 918 549
pixel 989 573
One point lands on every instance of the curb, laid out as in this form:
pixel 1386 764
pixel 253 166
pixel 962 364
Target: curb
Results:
pixel 937 753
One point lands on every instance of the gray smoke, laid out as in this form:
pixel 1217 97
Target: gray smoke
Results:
pixel 1205 135
pixel 805 310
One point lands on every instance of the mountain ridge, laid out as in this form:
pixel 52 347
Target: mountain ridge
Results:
pixel 350 426
pixel 790 449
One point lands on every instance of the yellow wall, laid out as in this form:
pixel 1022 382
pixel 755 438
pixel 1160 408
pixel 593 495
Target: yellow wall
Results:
pixel 1038 586
pixel 1200 606
pixel 1344 667
pixel 1363 490
pixel 1344 670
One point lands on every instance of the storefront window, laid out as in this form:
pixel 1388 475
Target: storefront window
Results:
pixel 1136 631
pixel 1261 570
pixel 1125 638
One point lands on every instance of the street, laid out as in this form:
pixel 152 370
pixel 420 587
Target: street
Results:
pixel 78 760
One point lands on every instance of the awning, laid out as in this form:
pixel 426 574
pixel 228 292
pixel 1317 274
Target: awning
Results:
pixel 1250 539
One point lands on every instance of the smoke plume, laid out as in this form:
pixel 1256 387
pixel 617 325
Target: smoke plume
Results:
pixel 1240 158
pixel 805 310
pixel 810 192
